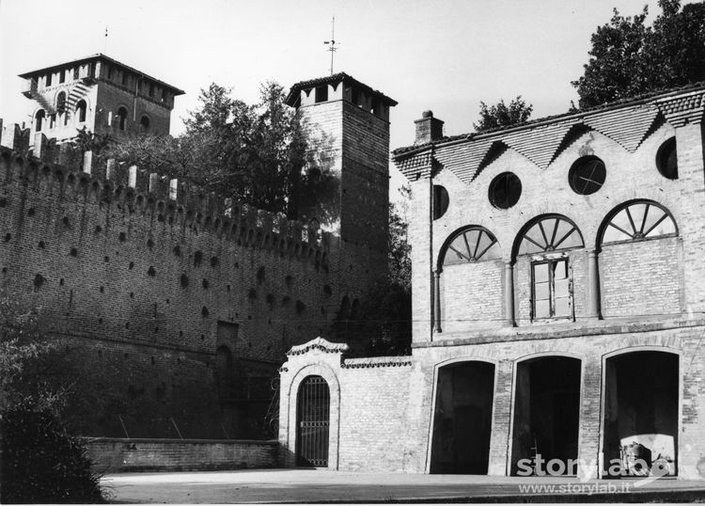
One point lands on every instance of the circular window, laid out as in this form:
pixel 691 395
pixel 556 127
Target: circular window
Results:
pixel 440 201
pixel 505 190
pixel 587 175
pixel 667 159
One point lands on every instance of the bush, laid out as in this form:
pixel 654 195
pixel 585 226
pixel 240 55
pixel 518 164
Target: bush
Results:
pixel 41 463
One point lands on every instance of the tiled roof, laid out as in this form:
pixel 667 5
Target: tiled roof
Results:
pixel 101 56
pixel 416 164
pixel 628 127
pixel 542 140
pixel 332 79
pixel 466 157
pixel 617 104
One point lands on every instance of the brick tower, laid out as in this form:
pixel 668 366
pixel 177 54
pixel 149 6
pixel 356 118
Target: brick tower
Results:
pixel 100 94
pixel 350 120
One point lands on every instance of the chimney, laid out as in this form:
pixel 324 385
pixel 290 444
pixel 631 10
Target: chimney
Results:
pixel 428 128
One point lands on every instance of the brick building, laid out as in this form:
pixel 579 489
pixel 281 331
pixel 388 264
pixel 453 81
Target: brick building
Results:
pixel 100 94
pixel 178 304
pixel 559 306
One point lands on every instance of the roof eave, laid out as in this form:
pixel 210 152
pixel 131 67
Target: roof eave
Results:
pixel 100 56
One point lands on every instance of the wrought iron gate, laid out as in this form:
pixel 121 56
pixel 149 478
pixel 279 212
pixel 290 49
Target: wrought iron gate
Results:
pixel 312 422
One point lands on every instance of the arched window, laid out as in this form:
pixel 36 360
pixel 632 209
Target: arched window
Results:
pixel 144 123
pixel 636 221
pixel 121 117
pixel 81 111
pixel 469 245
pixel 39 120
pixel 547 240
pixel 61 102
pixel 550 233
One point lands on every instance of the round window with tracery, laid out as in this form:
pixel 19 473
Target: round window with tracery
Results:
pixel 587 175
pixel 667 159
pixel 505 190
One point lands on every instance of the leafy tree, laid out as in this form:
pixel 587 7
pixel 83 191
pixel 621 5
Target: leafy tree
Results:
pixel 629 58
pixel 398 242
pixel 503 115
pixel 40 462
pixel 260 154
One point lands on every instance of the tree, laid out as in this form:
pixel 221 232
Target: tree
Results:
pixel 398 242
pixel 258 154
pixel 629 58
pixel 502 115
pixel 41 462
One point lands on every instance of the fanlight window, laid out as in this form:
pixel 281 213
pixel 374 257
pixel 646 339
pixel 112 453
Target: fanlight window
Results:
pixel 550 234
pixel 640 220
pixel 471 245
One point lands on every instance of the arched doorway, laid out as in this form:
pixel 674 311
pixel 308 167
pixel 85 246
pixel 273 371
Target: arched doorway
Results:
pixel 640 414
pixel 312 422
pixel 546 416
pixel 463 418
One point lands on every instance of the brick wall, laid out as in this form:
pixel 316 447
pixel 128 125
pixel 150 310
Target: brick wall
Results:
pixel 110 97
pixel 373 415
pixel 472 296
pixel 547 192
pixel 140 285
pixel 385 420
pixel 650 292
pixel 114 455
pixel 641 279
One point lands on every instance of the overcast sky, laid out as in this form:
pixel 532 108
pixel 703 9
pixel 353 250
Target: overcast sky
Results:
pixel 443 55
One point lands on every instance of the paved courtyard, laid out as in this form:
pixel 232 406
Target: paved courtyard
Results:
pixel 320 486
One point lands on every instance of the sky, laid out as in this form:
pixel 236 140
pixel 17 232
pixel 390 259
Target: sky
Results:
pixel 442 55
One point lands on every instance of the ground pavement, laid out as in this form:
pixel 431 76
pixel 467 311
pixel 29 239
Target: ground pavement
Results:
pixel 321 486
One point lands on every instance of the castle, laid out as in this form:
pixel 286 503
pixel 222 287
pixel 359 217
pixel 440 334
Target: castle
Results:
pixel 177 304
pixel 559 307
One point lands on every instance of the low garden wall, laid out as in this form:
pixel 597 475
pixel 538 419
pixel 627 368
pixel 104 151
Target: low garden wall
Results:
pixel 114 455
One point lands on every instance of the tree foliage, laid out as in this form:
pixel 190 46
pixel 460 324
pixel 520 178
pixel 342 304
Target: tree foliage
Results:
pixel 261 154
pixel 502 115
pixel 398 242
pixel 629 58
pixel 41 462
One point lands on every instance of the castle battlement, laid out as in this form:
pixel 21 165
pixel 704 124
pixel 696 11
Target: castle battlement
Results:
pixel 178 203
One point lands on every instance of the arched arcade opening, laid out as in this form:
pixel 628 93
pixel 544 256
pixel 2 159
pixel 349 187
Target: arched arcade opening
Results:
pixel 640 414
pixel 463 418
pixel 546 415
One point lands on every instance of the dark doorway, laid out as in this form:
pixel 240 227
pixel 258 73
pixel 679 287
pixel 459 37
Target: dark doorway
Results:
pixel 463 419
pixel 312 422
pixel 546 414
pixel 641 413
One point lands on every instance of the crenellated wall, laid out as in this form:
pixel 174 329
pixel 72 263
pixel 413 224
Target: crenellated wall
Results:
pixel 150 277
